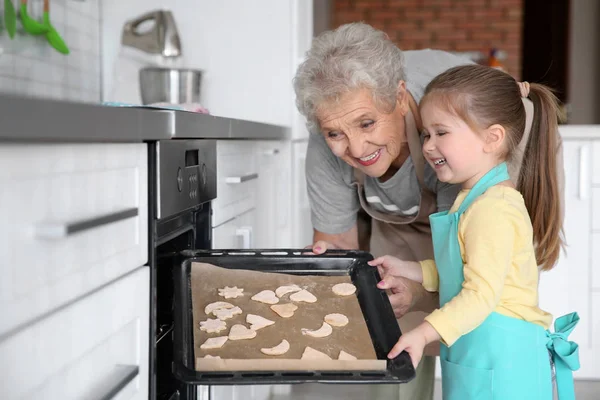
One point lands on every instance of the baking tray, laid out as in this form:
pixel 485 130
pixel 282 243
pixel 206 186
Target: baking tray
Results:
pixel 374 303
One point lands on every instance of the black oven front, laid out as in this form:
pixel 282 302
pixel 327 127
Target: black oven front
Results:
pixel 182 180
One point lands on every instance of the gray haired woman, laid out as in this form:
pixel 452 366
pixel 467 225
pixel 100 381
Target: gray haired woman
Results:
pixel 368 185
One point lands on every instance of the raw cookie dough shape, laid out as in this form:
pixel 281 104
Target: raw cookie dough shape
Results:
pixel 231 292
pixel 344 289
pixel 336 319
pixel 285 289
pixel 226 313
pixel 209 356
pixel 212 325
pixel 278 350
pixel 346 356
pixel 323 331
pixel 312 354
pixel 214 342
pixel 284 310
pixel 257 322
pixel 266 296
pixel 303 295
pixel 240 332
pixel 217 305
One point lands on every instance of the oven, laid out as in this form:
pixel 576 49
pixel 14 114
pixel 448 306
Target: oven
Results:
pixel 182 183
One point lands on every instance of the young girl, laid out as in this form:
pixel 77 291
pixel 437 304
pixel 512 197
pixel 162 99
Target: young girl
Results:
pixel 488 247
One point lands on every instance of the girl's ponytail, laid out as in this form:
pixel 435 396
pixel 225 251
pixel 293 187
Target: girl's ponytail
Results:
pixel 538 180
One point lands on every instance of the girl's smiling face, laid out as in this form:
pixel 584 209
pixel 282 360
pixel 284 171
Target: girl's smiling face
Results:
pixel 456 152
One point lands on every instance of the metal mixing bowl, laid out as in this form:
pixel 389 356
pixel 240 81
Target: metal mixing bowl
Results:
pixel 170 85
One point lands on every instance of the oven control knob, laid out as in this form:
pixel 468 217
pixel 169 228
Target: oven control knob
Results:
pixel 203 177
pixel 179 179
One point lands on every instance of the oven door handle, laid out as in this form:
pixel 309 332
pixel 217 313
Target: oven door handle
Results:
pixel 241 179
pixel 122 376
pixel 60 230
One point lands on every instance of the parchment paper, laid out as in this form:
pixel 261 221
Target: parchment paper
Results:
pixel 353 338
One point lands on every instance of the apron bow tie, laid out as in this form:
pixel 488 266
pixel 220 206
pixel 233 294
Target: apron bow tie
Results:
pixel 565 354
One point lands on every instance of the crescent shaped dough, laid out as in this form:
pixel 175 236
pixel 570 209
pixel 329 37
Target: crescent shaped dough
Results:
pixel 344 289
pixel 323 331
pixel 266 296
pixel 278 350
pixel 285 289
pixel 216 306
pixel 336 319
pixel 312 354
pixel 303 295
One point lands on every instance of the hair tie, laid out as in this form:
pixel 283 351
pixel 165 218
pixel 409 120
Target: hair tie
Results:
pixel 524 88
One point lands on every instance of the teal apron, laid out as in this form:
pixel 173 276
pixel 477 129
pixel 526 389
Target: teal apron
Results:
pixel 504 357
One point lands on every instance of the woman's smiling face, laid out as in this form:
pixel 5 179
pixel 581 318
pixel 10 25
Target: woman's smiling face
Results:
pixel 361 134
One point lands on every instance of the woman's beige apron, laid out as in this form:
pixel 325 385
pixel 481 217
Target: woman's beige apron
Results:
pixel 408 238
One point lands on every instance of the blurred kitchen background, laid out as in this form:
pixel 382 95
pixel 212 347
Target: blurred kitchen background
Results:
pixel 245 48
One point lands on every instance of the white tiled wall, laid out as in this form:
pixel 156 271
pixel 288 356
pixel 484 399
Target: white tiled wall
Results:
pixel 30 66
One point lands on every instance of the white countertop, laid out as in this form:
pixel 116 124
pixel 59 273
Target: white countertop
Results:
pixel 579 131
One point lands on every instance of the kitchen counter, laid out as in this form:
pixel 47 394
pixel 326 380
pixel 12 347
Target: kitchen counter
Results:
pixel 579 131
pixel 31 119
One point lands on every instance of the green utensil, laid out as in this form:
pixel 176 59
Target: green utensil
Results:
pixel 10 18
pixel 31 25
pixel 52 35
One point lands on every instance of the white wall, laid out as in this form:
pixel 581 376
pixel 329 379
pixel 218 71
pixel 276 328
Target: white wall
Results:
pixel 584 62
pixel 30 67
pixel 227 40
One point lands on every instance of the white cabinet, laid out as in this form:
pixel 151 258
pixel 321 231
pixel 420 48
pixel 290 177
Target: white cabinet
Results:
pixel 74 217
pixel 94 348
pixel 302 226
pixel 273 205
pixel 237 233
pixel 573 284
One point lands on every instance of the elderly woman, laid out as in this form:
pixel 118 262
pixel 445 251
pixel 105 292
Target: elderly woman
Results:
pixel 360 95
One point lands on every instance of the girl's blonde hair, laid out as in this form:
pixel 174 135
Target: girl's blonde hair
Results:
pixel 482 96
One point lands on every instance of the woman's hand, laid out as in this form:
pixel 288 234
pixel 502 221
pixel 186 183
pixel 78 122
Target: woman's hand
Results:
pixel 390 268
pixel 319 247
pixel 414 342
pixel 404 293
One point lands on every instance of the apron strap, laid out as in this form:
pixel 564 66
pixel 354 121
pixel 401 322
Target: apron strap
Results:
pixel 415 147
pixel 565 355
pixel 493 177
pixel 516 162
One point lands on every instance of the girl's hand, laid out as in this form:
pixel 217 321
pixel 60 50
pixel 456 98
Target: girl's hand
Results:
pixel 414 342
pixel 390 268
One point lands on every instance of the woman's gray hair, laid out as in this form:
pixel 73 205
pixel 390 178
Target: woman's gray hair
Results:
pixel 353 56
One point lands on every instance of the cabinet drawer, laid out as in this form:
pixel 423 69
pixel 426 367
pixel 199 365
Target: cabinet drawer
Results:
pixel 75 217
pixel 95 347
pixel 237 176
pixel 237 233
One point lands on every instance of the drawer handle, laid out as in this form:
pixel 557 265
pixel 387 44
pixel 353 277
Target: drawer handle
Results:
pixel 241 179
pixel 122 376
pixel 59 230
pixel 245 233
